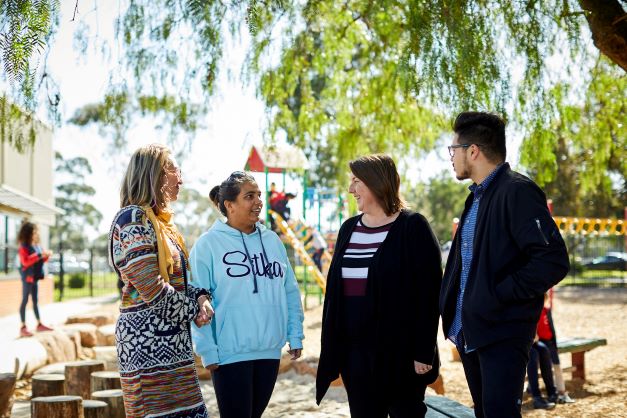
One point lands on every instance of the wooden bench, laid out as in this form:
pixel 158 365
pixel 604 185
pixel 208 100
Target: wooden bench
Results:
pixel 443 407
pixel 578 348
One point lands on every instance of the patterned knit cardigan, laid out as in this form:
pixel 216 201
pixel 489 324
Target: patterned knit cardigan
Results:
pixel 153 341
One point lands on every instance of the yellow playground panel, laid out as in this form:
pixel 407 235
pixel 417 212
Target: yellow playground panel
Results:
pixel 590 226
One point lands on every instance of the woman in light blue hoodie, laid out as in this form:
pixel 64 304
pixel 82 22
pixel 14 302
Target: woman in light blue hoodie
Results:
pixel 255 297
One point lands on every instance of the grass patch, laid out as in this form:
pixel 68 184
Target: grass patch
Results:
pixel 104 283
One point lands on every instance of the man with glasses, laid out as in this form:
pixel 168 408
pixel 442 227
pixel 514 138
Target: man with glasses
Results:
pixel 506 254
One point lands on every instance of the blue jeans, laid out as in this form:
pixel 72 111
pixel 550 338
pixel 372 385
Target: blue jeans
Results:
pixel 540 353
pixel 29 289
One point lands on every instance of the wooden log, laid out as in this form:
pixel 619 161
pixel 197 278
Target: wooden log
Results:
pixel 48 385
pixel 98 319
pixel 114 400
pixel 438 385
pixel 57 407
pixel 109 355
pixel 78 377
pixel 95 409
pixel 105 381
pixel 7 388
pixel 106 335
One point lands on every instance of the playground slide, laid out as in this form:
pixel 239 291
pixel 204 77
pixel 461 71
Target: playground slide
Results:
pixel 299 248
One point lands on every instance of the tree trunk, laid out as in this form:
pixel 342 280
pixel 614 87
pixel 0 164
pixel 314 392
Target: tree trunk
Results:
pixel 7 387
pixel 608 23
pixel 78 377
pixel 48 385
pixel 113 398
pixel 57 407
pixel 105 381
pixel 95 409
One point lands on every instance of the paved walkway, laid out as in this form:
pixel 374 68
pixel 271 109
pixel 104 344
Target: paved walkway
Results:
pixel 53 314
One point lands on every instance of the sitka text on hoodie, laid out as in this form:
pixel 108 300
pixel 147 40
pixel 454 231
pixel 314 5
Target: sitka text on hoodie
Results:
pixel 255 295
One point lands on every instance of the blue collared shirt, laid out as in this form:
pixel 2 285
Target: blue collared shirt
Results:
pixel 467 239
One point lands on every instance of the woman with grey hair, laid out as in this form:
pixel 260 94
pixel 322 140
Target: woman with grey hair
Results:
pixel 155 356
pixel 255 296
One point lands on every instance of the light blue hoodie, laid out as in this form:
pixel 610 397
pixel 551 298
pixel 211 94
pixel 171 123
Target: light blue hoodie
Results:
pixel 255 295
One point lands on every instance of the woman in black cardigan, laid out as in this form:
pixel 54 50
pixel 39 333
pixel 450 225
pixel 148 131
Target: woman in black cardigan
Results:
pixel 380 320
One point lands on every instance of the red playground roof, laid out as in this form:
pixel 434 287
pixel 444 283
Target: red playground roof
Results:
pixel 276 158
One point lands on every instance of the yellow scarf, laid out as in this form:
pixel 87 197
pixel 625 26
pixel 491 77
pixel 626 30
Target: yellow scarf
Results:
pixel 165 230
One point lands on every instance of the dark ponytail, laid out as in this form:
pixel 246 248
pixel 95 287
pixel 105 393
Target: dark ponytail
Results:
pixel 229 189
pixel 214 196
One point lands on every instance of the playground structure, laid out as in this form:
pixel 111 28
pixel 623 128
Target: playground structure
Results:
pixel 283 160
pixel 588 226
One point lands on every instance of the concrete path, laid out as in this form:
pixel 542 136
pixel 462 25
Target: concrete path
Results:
pixel 53 314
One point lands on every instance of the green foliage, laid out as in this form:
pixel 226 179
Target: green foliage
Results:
pixel 440 200
pixel 338 91
pixel 24 34
pixel 72 197
pixel 346 78
pixel 17 127
pixel 76 281
pixel 362 76
pixel 114 114
pixel 581 156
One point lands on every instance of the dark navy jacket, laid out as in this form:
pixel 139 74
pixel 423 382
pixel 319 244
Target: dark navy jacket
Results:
pixel 518 254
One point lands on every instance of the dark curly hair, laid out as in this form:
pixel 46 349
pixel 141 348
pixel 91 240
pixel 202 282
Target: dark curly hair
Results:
pixel 27 230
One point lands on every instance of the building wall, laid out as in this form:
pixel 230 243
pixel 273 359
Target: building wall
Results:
pixel 11 297
pixel 30 173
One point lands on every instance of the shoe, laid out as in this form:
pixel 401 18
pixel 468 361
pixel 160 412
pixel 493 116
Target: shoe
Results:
pixel 540 403
pixel 42 328
pixel 552 398
pixel 565 399
pixel 24 332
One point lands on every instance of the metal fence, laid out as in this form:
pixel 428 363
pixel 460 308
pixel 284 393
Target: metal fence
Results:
pixel 596 260
pixel 82 274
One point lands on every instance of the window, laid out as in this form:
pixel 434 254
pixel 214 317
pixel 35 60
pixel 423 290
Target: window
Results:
pixel 9 226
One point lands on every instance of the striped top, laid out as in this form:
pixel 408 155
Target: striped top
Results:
pixel 363 244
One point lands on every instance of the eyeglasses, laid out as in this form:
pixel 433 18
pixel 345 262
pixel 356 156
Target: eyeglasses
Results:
pixel 451 148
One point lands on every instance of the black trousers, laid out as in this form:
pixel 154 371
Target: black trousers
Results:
pixel 496 376
pixel 365 399
pixel 29 289
pixel 243 389
pixel 541 355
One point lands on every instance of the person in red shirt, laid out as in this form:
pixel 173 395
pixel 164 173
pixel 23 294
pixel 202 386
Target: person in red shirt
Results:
pixel 548 337
pixel 32 258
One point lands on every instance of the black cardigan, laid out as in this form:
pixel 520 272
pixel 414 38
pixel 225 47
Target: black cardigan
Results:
pixel 402 295
pixel 518 254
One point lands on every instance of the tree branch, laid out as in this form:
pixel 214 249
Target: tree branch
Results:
pixel 608 23
pixel 75 11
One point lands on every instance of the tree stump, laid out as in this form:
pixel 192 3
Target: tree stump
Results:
pixel 95 409
pixel 78 377
pixel 7 387
pixel 57 407
pixel 105 381
pixel 113 398
pixel 48 385
pixel 109 355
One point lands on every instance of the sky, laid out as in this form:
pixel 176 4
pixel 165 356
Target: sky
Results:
pixel 235 122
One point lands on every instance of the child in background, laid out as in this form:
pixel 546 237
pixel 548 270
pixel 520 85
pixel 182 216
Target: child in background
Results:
pixel 547 336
